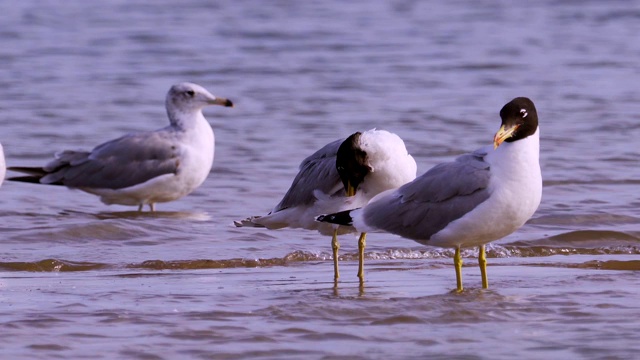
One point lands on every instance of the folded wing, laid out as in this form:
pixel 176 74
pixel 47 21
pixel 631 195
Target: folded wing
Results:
pixel 426 205
pixel 120 163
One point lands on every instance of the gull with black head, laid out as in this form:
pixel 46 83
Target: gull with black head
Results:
pixel 142 168
pixel 343 174
pixel 478 198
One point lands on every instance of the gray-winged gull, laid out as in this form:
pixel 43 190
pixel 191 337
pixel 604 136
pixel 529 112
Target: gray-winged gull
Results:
pixel 142 168
pixel 343 174
pixel 478 198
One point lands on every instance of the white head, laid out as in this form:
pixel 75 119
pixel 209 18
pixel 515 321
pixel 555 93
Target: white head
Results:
pixel 374 161
pixel 188 99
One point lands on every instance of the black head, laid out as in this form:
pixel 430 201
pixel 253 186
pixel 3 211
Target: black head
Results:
pixel 351 163
pixel 519 120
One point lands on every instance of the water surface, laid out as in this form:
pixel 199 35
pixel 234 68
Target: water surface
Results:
pixel 81 279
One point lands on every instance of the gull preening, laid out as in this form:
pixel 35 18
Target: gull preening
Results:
pixel 478 198
pixel 343 174
pixel 142 168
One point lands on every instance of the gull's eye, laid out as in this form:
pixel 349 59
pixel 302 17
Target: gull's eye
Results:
pixel 524 113
pixel 191 93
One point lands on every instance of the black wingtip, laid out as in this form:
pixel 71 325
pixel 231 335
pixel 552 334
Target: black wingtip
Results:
pixel 33 171
pixel 340 218
pixel 228 103
pixel 26 179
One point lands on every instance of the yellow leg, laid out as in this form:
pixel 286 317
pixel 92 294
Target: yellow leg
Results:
pixel 457 261
pixel 335 246
pixel 482 261
pixel 362 242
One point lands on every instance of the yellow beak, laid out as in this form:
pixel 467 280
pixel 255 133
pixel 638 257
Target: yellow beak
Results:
pixel 503 134
pixel 351 191
pixel 221 101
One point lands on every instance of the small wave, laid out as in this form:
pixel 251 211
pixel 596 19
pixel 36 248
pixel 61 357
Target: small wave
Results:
pixel 493 251
pixel 203 264
pixel 599 64
pixel 399 319
pixel 84 232
pixel 514 250
pixel 181 215
pixel 544 251
pixel 293 257
pixel 480 67
pixel 51 265
pixel 585 220
pixel 609 265
pixel 615 265
pixel 548 183
pixel 581 239
pixel 617 15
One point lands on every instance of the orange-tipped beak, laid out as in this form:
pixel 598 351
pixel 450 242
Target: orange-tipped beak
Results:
pixel 503 134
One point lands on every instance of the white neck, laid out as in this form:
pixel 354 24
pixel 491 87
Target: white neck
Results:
pixel 528 148
pixel 519 160
pixel 186 120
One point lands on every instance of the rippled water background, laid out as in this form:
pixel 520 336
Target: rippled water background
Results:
pixel 80 279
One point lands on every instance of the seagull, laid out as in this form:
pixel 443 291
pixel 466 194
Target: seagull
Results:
pixel 3 166
pixel 343 174
pixel 478 198
pixel 142 168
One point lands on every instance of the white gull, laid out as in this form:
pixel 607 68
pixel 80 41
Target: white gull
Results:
pixel 478 198
pixel 343 174
pixel 142 168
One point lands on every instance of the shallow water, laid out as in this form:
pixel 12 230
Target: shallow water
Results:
pixel 81 279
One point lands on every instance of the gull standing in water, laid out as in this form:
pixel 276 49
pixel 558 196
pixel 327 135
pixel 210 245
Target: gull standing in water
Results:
pixel 478 198
pixel 343 174
pixel 142 168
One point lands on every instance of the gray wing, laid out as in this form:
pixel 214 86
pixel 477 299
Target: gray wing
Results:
pixel 317 172
pixel 120 163
pixel 426 205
